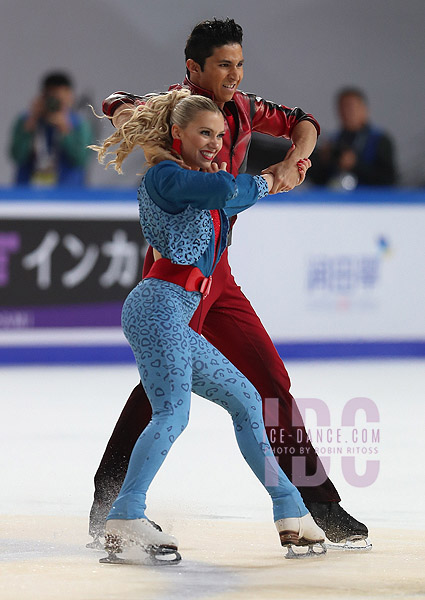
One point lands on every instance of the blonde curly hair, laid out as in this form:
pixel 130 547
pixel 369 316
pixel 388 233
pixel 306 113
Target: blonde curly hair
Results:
pixel 150 125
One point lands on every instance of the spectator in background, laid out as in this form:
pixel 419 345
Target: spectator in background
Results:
pixel 359 153
pixel 49 142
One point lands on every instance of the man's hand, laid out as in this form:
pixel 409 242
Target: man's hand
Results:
pixel 122 114
pixel 151 152
pixel 214 168
pixel 289 173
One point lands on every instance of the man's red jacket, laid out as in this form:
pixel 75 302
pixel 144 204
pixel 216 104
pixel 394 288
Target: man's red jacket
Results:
pixel 250 113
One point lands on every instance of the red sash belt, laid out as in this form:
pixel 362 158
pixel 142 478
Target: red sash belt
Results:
pixel 190 278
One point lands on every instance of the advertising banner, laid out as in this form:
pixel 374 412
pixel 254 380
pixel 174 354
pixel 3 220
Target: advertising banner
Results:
pixel 66 267
pixel 332 272
pixel 67 272
pixel 329 274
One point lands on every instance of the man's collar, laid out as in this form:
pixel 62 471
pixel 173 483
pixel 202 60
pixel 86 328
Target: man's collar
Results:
pixel 195 89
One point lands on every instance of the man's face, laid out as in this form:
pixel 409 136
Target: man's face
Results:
pixel 353 112
pixel 222 73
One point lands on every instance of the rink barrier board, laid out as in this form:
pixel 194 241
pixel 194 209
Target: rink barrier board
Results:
pixel 121 203
pixel 38 355
pixel 297 196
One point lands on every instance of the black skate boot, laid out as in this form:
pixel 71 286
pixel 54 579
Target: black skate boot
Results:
pixel 341 528
pixel 97 521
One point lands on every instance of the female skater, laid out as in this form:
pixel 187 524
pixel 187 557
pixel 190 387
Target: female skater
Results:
pixel 185 201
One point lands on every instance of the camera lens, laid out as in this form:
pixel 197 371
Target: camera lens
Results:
pixel 52 104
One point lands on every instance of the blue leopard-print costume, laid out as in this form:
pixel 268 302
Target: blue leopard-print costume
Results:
pixel 173 361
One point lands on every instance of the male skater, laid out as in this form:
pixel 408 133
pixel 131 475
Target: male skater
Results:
pixel 214 63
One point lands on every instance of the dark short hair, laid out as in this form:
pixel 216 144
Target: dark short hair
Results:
pixel 56 79
pixel 208 35
pixel 351 91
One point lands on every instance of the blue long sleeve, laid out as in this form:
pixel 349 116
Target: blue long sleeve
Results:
pixel 173 189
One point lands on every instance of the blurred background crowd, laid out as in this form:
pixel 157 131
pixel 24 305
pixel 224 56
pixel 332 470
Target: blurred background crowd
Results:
pixel 355 65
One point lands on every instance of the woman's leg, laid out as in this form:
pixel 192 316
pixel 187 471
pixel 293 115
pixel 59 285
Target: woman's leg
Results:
pixel 216 379
pixel 134 417
pixel 155 323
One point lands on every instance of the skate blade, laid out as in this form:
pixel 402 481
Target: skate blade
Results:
pixel 307 551
pixel 163 555
pixel 152 556
pixel 112 559
pixel 354 544
pixel 150 559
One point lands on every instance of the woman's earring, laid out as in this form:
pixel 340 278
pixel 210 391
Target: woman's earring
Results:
pixel 177 146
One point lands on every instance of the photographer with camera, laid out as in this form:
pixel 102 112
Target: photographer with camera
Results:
pixel 49 142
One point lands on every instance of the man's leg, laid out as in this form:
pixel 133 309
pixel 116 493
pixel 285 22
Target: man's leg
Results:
pixel 110 474
pixel 233 327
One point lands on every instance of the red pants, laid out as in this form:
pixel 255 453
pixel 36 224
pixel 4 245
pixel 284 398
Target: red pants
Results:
pixel 226 318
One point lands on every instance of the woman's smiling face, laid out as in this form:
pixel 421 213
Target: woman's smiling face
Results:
pixel 201 140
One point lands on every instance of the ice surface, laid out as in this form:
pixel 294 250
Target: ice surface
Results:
pixel 55 422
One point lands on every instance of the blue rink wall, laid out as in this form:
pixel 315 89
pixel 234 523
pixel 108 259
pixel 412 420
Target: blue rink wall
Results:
pixel 331 274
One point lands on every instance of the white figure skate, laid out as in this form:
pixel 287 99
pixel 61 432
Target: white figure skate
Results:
pixel 160 547
pixel 301 532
